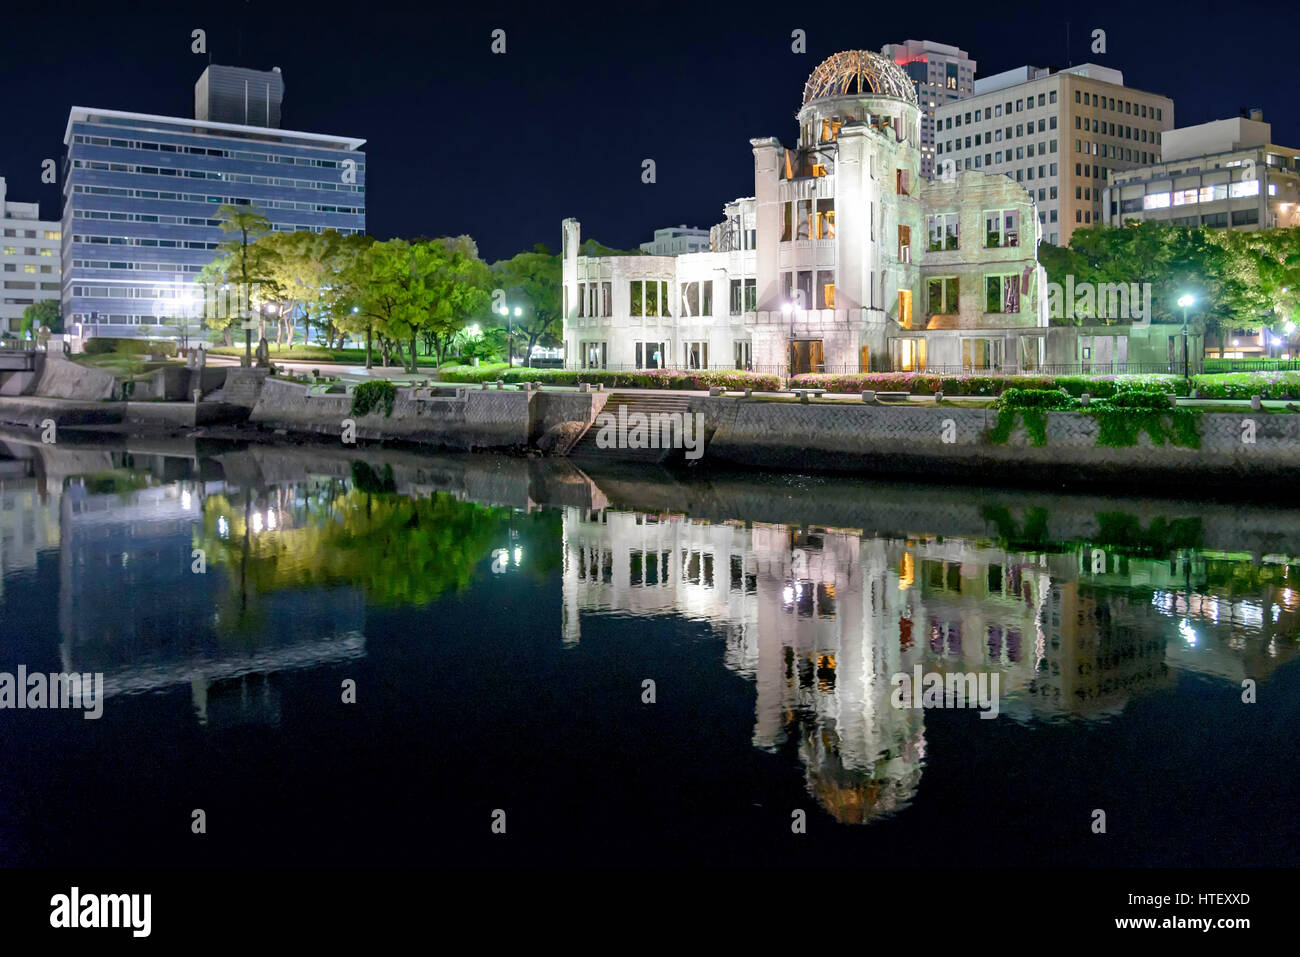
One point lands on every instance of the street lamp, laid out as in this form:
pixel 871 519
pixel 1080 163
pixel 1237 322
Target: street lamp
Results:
pixel 1186 301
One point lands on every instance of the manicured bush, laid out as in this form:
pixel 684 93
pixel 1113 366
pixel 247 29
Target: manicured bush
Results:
pixel 104 345
pixel 922 383
pixel 1242 385
pixel 369 396
pixel 699 380
pixel 1212 365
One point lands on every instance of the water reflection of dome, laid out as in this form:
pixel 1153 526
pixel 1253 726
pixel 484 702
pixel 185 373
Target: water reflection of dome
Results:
pixel 861 795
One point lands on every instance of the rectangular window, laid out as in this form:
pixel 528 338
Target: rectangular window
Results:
pixel 943 295
pixel 1002 228
pixel 1002 294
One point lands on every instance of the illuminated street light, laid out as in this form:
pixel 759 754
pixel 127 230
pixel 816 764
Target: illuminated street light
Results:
pixel 1186 300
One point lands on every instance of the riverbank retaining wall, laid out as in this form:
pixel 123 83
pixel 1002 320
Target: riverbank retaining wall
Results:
pixel 942 442
pixel 465 418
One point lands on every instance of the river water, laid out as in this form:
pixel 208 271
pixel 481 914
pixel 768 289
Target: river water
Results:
pixel 345 657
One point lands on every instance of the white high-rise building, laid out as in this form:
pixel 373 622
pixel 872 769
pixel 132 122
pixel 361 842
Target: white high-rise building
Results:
pixel 29 259
pixel 675 240
pixel 941 74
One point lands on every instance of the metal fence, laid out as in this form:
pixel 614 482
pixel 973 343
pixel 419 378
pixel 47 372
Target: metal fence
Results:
pixel 1053 369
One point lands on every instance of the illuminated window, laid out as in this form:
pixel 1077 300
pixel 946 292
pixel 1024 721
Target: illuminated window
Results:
pixel 905 308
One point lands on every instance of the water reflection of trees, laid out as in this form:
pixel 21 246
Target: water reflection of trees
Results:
pixel 398 549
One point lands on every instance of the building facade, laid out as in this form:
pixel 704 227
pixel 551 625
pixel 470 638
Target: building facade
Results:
pixel 29 259
pixel 1059 134
pixel 940 74
pixel 1227 174
pixel 675 240
pixel 140 195
pixel 844 260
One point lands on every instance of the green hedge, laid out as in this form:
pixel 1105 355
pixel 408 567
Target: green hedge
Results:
pixel 1242 385
pixel 103 345
pixel 649 379
pixel 921 383
pixel 1233 365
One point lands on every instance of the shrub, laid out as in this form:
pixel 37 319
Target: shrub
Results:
pixel 699 380
pixel 922 383
pixel 104 345
pixel 369 396
pixel 1242 385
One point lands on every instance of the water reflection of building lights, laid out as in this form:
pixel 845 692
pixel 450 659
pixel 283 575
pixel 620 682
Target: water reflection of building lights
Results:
pixel 257 522
pixel 185 499
pixel 787 595
pixel 1189 634
pixel 223 527
pixel 906 572
pixel 271 520
pixel 519 554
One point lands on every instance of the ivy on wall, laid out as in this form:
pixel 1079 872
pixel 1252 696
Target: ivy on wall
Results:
pixel 1121 418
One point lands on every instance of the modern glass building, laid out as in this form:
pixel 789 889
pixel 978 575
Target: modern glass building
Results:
pixel 140 196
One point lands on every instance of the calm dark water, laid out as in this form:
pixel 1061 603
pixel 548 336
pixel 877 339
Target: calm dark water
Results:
pixel 500 620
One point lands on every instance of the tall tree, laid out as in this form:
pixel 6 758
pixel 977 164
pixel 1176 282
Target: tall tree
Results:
pixel 532 281
pixel 242 261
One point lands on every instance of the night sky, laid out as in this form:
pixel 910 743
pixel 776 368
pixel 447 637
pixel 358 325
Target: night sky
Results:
pixel 504 147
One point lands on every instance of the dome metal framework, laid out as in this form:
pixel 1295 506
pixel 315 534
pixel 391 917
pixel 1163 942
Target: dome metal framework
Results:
pixel 858 71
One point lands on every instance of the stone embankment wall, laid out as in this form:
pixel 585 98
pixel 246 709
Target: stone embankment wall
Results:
pixel 469 418
pixel 938 442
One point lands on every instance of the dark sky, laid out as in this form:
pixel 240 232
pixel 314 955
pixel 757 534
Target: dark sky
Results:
pixel 504 147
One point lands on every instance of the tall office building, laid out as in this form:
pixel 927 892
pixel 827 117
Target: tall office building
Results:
pixel 941 74
pixel 140 195
pixel 1058 134
pixel 29 259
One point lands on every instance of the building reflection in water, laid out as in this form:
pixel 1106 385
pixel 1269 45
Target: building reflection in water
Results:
pixel 132 607
pixel 822 619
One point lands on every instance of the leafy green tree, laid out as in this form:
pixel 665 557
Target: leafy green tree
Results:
pixel 47 312
pixel 458 286
pixel 242 261
pixel 533 281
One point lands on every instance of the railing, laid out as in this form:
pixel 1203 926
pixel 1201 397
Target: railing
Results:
pixel 1048 369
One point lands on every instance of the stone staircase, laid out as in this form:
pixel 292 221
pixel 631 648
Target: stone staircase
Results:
pixel 648 404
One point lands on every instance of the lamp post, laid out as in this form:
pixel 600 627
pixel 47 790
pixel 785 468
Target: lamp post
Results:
pixel 510 329
pixel 510 335
pixel 1186 301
